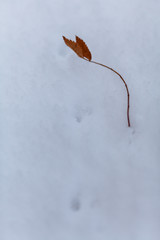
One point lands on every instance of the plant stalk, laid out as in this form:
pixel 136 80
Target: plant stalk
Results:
pixel 128 119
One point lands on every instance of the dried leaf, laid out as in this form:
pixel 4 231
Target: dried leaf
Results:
pixel 74 46
pixel 86 52
pixel 79 47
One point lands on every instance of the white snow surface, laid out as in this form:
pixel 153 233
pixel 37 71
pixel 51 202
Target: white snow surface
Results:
pixel 70 168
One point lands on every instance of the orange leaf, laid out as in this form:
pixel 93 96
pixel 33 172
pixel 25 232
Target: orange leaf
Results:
pixel 86 52
pixel 74 46
pixel 79 47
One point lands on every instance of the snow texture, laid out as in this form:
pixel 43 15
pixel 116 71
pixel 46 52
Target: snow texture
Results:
pixel 70 168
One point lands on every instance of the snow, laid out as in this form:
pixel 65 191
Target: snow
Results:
pixel 70 166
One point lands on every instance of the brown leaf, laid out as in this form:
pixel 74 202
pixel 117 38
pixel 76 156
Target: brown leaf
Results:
pixel 79 47
pixel 85 50
pixel 74 46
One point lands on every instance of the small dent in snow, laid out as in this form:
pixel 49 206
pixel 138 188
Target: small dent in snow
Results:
pixel 75 204
pixel 81 113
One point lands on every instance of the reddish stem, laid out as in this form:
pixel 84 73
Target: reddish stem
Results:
pixel 123 82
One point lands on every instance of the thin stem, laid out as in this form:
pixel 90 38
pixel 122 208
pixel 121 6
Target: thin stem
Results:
pixel 128 119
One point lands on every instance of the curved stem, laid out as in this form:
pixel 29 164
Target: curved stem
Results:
pixel 128 119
